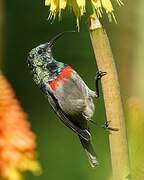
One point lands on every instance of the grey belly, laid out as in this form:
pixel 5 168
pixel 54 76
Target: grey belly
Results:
pixel 77 104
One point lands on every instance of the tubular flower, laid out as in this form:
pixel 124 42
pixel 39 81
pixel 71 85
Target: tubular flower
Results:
pixel 17 141
pixel 79 7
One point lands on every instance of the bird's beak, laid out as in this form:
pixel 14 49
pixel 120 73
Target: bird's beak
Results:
pixel 54 39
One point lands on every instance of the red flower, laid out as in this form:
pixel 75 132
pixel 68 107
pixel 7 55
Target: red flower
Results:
pixel 17 141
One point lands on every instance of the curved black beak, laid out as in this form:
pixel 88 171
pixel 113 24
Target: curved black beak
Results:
pixel 54 39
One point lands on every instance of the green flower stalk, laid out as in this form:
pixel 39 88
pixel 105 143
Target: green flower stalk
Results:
pixel 112 100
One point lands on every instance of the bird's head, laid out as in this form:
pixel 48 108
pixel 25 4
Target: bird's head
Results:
pixel 41 56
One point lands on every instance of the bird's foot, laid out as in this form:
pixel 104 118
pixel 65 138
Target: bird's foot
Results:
pixel 107 127
pixel 100 74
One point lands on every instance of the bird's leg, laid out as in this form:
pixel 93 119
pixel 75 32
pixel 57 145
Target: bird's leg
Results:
pixel 99 75
pixel 105 126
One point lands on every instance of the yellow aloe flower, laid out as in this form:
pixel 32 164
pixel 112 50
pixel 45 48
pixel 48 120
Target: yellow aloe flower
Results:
pixel 17 141
pixel 79 7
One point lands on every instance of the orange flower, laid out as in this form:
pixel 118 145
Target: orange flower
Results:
pixel 17 141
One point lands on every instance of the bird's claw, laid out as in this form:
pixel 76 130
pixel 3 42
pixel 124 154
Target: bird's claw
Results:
pixel 100 74
pixel 107 127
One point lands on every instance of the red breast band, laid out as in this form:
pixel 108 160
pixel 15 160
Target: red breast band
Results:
pixel 65 72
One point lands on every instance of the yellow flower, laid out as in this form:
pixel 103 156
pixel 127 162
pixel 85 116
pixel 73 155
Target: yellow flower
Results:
pixel 17 141
pixel 79 7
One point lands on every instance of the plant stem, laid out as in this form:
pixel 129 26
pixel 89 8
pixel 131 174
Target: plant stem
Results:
pixel 112 100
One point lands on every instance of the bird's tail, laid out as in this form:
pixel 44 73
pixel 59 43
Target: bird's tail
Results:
pixel 89 151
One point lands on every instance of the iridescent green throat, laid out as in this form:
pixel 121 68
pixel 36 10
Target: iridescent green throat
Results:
pixel 47 72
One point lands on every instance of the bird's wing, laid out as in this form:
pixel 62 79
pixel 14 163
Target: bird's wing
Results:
pixel 84 133
pixel 82 85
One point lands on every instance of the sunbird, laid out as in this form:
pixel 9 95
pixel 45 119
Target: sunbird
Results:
pixel 67 93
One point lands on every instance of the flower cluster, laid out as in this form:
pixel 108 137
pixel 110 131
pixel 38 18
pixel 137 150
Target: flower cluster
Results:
pixel 17 141
pixel 79 7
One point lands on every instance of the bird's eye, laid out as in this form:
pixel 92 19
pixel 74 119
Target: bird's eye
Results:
pixel 40 51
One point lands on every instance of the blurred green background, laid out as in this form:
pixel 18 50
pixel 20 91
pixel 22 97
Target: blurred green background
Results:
pixel 24 26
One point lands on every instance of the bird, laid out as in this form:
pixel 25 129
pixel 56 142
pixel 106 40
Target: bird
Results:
pixel 67 93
